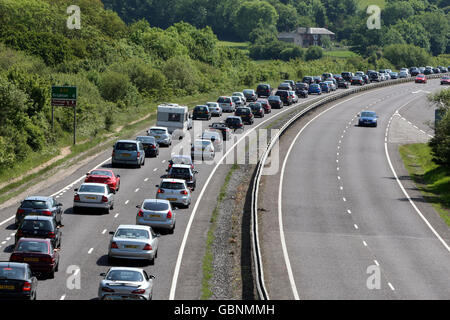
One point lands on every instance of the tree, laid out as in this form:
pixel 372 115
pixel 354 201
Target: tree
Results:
pixel 406 55
pixel 395 11
pixel 250 14
pixel 313 53
pixel 413 33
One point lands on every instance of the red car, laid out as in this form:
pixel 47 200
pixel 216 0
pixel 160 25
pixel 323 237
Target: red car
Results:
pixel 445 80
pixel 38 253
pixel 104 176
pixel 421 78
pixel 265 104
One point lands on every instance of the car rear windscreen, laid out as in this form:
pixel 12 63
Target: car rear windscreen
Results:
pixel 126 146
pixel 172 185
pixel 32 246
pixel 92 189
pixel 12 273
pixel 34 204
pixel 156 206
pixel 36 225
pixel 224 100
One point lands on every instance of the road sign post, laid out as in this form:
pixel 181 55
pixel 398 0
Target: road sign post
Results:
pixel 65 96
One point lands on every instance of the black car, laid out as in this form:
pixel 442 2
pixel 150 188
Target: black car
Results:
pixel 357 80
pixel 263 90
pixel 374 76
pixel 347 75
pixel 302 93
pixel 301 86
pixel 443 69
pixel 234 122
pixel 17 281
pixel 257 109
pixel 151 147
pixel 428 71
pixel 223 128
pixel 284 96
pixel 39 206
pixel 436 70
pixel 184 172
pixel 275 102
pixel 342 83
pixel 201 112
pixel 246 114
pixel 285 86
pixel 414 71
pixel 366 79
pixel 39 227
pixel 308 80
pixel 317 79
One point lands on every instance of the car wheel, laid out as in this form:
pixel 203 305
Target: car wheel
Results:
pixel 51 275
pixel 107 211
pixel 111 260
pixel 57 267
pixel 152 261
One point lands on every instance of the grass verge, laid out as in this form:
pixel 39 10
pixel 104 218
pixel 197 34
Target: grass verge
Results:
pixel 431 179
pixel 207 266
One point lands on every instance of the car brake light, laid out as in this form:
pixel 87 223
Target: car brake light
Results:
pixel 169 215
pixel 51 234
pixel 140 213
pixel 114 246
pixel 138 291
pixel 47 213
pixel 20 233
pixel 76 198
pixel 138 155
pixel 147 247
pixel 113 153
pixel 105 289
pixel 184 192
pixel 26 286
pixel 104 199
pixel 160 191
pixel 20 211
pixel 14 257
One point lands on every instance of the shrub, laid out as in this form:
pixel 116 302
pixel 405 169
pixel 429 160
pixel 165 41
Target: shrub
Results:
pixel 114 86
pixel 313 53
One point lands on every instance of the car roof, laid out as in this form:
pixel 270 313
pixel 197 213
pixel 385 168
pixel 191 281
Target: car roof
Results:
pixel 40 218
pixel 39 198
pixel 126 268
pixel 127 141
pixel 233 117
pixel 101 169
pixel 93 184
pixel 159 128
pixel 181 156
pixel 13 264
pixel 179 165
pixel 133 226
pixel 172 180
pixel 156 201
pixel 34 239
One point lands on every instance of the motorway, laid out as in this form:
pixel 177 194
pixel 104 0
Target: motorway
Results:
pixel 85 236
pixel 336 223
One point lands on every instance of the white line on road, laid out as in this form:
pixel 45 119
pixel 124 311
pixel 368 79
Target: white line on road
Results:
pixel 116 215
pixel 376 262
pixel 126 202
pixel 356 226
pixel 104 231
pixel 137 189
pixel 63 297
pixel 364 243
pixel 155 169
pixel 391 286
pixel 349 212
pixel 90 250
pixel 146 179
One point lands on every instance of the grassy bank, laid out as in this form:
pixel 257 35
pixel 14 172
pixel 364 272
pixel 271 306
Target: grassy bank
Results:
pixel 431 179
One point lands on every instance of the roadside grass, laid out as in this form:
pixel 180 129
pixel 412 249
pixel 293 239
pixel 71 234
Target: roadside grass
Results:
pixel 207 266
pixel 431 179
pixel 234 44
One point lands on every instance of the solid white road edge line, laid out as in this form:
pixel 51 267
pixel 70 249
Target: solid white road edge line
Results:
pixel 406 193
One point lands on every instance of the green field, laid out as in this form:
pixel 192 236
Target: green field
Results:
pixel 431 179
pixel 235 45
pixel 340 54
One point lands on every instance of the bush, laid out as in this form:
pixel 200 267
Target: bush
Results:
pixel 114 86
pixel 402 55
pixel 313 53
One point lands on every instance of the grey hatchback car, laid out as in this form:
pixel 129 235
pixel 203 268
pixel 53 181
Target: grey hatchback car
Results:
pixel 156 213
pixel 128 152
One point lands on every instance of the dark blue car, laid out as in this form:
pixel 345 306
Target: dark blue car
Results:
pixel 325 87
pixel 368 118
pixel 314 88
pixel 39 206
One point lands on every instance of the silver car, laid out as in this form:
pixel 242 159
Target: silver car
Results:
pixel 238 101
pixel 215 137
pixel 239 94
pixel 126 283
pixel 227 104
pixel 93 195
pixel 174 190
pixel 156 214
pixel 161 134
pixel 202 149
pixel 215 109
pixel 133 242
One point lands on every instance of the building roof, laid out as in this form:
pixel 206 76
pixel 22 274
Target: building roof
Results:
pixel 305 30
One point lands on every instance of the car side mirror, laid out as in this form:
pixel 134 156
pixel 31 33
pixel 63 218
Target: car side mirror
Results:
pixel 138 206
pixel 157 185
pixel 103 274
pixel 56 250
pixel 59 204
pixel 111 233
pixel 87 173
pixel 76 189
pixel 195 171
pixel 118 176
pixel 152 277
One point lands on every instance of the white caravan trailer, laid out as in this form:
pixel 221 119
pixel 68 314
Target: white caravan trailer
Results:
pixel 174 117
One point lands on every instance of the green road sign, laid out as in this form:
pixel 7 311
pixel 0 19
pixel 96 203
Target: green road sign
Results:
pixel 64 96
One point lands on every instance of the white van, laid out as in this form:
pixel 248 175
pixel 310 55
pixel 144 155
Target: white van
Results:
pixel 174 117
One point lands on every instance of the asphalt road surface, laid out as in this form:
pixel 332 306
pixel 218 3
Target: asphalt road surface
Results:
pixel 349 230
pixel 85 236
